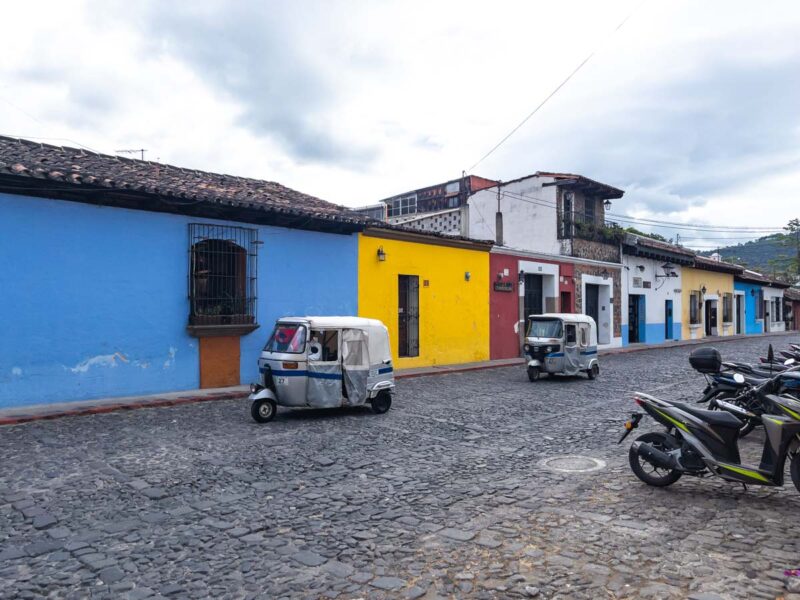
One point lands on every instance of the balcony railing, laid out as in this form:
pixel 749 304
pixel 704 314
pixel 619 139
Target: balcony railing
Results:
pixel 592 228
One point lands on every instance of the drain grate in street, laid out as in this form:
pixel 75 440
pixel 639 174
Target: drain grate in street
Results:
pixel 573 464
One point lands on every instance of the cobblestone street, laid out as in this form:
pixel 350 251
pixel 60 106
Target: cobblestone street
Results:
pixel 445 496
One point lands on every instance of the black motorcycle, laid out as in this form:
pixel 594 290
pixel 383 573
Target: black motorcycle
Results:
pixel 746 391
pixel 698 442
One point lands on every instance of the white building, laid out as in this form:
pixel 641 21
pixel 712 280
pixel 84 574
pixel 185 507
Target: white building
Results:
pixel 651 287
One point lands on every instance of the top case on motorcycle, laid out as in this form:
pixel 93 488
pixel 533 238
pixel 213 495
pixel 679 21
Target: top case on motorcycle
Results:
pixel 720 418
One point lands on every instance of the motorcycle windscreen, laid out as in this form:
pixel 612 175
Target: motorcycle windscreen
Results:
pixel 355 362
pixel 324 388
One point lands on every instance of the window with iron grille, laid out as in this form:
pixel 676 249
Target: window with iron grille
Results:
pixel 222 275
pixel 694 308
pixel 727 308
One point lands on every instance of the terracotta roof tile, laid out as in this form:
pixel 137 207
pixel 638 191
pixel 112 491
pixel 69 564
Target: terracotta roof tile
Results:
pixel 24 158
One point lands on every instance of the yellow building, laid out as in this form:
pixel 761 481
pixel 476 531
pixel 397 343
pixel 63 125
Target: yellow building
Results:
pixel 708 299
pixel 432 292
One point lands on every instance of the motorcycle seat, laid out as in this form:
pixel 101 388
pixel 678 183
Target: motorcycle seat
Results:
pixel 721 418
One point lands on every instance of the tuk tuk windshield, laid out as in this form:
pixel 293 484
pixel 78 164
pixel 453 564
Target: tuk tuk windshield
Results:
pixel 545 328
pixel 289 338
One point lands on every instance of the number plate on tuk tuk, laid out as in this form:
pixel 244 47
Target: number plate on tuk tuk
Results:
pixel 281 380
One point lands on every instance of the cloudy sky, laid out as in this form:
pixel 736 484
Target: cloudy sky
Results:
pixel 691 107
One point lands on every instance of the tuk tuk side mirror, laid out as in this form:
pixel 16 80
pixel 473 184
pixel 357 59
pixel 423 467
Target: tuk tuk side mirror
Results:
pixel 315 350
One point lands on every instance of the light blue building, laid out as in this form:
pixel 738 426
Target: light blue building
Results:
pixel 749 293
pixel 124 277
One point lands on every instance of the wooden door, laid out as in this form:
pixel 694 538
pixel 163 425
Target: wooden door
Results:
pixel 219 361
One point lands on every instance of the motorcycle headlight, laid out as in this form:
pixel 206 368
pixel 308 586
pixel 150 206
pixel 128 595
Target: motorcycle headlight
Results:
pixel 254 387
pixel 548 349
pixel 527 347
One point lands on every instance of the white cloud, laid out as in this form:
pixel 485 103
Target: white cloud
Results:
pixel 690 106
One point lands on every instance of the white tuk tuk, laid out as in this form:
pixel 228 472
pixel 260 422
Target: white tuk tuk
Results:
pixel 561 343
pixel 324 362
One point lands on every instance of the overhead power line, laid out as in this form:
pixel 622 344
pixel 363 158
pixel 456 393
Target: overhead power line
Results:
pixel 652 222
pixel 558 87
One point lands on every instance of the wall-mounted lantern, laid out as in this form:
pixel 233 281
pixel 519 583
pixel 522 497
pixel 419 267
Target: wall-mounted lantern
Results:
pixel 641 268
pixel 605 274
pixel 752 292
pixel 521 276
pixel 381 254
pixel 467 275
pixel 703 290
pixel 607 204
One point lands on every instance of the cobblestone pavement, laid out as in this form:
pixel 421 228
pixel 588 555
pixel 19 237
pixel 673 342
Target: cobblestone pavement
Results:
pixel 443 497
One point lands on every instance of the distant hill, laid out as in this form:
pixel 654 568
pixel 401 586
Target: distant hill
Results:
pixel 766 254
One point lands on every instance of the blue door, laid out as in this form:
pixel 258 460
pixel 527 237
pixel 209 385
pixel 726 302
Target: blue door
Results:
pixel 668 319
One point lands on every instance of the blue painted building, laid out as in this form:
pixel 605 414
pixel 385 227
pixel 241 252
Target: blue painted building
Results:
pixel 749 301
pixel 123 277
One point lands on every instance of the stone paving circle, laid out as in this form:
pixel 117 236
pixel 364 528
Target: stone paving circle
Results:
pixel 573 464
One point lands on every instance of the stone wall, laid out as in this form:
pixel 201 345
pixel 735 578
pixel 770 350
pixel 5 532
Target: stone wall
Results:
pixel 595 250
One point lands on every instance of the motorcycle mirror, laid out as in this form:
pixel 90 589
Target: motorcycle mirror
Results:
pixel 738 378
pixel 789 362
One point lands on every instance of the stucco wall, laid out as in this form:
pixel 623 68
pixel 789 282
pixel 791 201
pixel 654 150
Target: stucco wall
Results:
pixel 661 290
pixel 527 225
pixel 95 298
pixel 776 322
pixel 453 312
pixel 610 311
pixel 750 290
pixel 505 306
pixel 716 285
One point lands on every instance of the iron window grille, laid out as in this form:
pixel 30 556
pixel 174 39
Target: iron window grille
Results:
pixel 727 308
pixel 694 308
pixel 222 274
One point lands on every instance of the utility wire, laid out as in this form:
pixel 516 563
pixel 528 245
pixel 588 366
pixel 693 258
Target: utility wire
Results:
pixel 558 87
pixel 651 222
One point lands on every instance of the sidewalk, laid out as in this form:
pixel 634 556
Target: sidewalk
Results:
pixel 37 412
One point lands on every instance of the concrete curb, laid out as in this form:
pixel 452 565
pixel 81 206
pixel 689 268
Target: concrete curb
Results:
pixel 41 413
pixel 96 409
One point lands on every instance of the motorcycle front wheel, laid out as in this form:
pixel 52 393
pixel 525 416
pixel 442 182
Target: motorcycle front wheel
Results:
pixel 649 473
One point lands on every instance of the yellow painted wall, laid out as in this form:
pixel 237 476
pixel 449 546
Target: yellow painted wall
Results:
pixel 715 283
pixel 453 312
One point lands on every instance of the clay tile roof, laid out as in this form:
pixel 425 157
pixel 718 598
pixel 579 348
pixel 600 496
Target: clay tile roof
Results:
pixel 641 240
pixel 604 190
pixel 83 169
pixel 792 294
pixel 710 264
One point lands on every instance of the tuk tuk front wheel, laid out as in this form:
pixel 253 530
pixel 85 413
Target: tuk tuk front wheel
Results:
pixel 594 372
pixel 263 411
pixel 381 403
pixel 533 373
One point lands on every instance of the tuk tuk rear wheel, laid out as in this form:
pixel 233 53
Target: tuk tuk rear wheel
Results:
pixel 533 373
pixel 381 403
pixel 594 372
pixel 263 411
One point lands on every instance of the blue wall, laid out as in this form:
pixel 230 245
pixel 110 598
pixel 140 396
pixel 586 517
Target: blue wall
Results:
pixel 750 306
pixel 94 299
pixel 654 333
